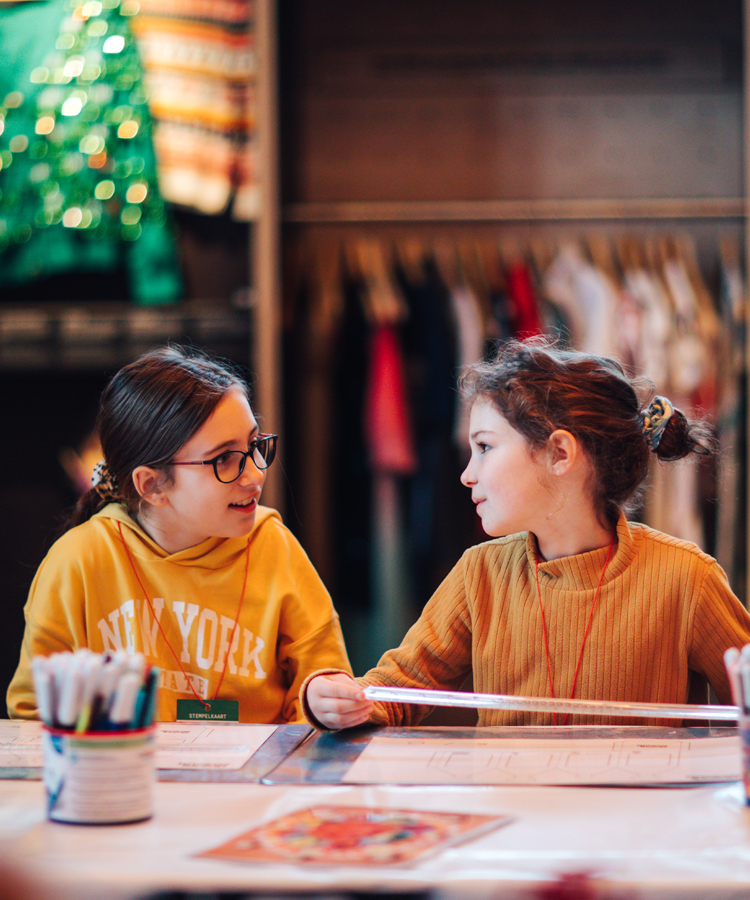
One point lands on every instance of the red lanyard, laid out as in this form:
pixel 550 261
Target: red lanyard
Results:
pixel 166 640
pixel 585 634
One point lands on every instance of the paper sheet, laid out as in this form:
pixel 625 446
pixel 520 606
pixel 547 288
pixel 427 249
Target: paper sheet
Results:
pixel 354 836
pixel 20 744
pixel 192 746
pixel 582 761
pixel 178 745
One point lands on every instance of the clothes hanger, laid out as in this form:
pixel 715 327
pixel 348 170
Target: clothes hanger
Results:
pixel 729 250
pixel 328 302
pixel 708 317
pixel 475 278
pixel 601 255
pixel 383 302
pixel 410 253
pixel 630 253
pixel 492 265
pixel 471 268
pixel 653 259
pixel 541 251
pixel 510 250
pixel 448 262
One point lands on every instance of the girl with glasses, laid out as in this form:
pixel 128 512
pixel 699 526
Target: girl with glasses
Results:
pixel 170 555
pixel 570 599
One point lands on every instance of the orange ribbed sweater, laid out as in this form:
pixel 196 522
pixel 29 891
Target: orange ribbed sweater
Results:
pixel 665 610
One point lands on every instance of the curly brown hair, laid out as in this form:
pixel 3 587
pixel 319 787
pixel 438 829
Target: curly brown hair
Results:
pixel 539 387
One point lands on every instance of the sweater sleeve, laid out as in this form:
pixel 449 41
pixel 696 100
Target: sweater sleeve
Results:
pixel 54 615
pixel 434 654
pixel 310 636
pixel 719 621
pixel 21 697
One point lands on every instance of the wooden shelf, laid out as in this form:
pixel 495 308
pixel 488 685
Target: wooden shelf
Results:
pixel 83 337
pixel 515 210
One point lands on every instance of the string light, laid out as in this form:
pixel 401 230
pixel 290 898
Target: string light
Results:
pixel 84 113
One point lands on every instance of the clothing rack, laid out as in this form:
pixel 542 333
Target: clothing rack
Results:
pixel 328 257
pixel 709 219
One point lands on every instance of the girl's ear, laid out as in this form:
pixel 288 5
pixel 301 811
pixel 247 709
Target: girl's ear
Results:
pixel 150 485
pixel 563 451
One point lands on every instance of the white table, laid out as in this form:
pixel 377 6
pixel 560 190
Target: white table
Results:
pixel 637 842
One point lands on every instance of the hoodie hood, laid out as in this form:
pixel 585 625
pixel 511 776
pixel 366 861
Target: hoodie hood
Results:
pixel 213 553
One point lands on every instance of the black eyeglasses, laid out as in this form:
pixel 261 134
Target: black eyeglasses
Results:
pixel 228 466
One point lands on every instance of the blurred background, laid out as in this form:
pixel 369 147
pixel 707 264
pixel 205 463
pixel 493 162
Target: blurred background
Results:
pixel 351 201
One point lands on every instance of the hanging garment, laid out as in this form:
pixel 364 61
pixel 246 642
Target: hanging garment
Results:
pixel 587 298
pixel 200 71
pixel 651 358
pixel 526 318
pixel 429 341
pixel 693 376
pixel 387 419
pixel 470 340
pixel 731 533
pixel 351 482
pixel 78 188
pixel 388 433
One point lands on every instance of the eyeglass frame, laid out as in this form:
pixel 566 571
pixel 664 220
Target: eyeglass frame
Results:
pixel 253 446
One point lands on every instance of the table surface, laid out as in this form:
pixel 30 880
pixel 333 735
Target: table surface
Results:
pixel 673 842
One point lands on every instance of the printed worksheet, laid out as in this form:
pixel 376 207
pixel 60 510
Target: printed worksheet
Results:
pixel 182 745
pixel 575 761
pixel 20 744
pixel 178 745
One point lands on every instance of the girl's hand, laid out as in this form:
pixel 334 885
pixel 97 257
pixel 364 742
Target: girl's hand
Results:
pixel 337 701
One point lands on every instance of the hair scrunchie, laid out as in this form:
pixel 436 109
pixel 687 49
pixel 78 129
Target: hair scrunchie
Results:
pixel 655 420
pixel 104 482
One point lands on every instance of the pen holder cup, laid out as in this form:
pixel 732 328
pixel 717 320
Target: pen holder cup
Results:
pixel 744 727
pixel 99 778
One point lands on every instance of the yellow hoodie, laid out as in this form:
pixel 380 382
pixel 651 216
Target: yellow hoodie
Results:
pixel 87 594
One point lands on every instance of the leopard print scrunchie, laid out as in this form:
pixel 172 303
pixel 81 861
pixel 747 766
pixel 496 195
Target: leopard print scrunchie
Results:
pixel 105 483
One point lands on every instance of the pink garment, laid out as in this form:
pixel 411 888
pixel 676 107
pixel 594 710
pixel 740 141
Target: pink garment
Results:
pixel 387 423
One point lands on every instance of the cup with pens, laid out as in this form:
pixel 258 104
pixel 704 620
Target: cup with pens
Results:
pixel 738 670
pixel 97 713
